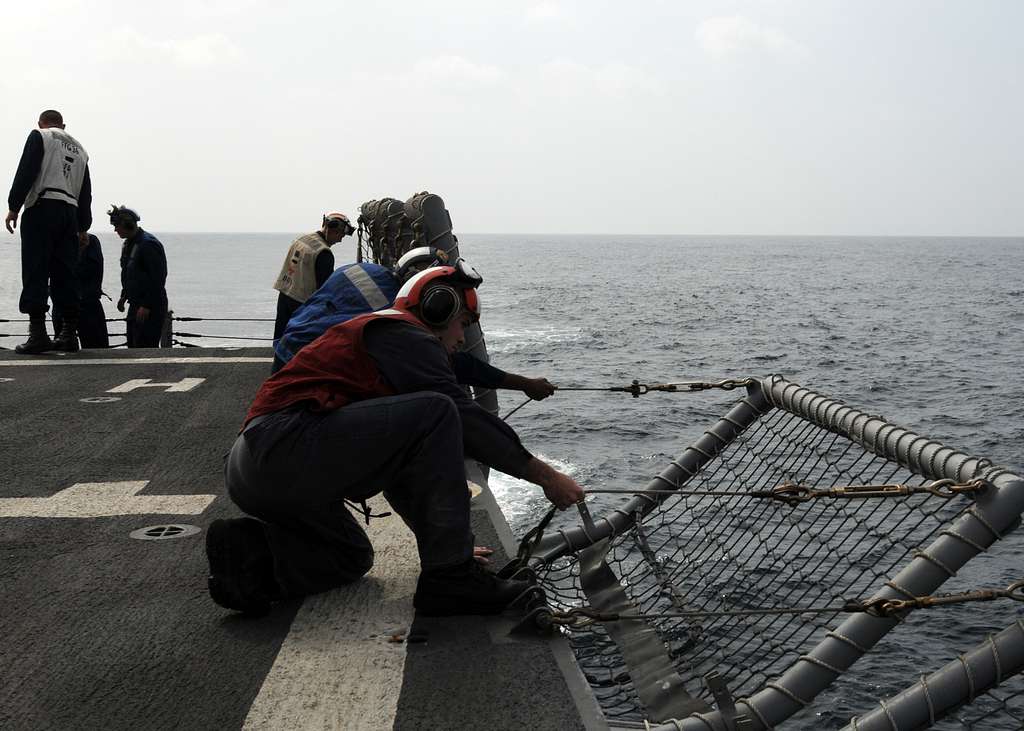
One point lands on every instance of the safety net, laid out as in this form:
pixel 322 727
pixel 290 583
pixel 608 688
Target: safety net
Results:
pixel 737 584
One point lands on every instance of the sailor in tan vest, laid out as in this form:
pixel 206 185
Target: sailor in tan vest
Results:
pixel 308 265
pixel 53 185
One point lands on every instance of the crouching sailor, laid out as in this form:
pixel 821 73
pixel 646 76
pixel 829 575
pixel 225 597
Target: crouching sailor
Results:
pixel 371 406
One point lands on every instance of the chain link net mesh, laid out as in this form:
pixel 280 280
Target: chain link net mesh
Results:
pixel 1001 709
pixel 725 553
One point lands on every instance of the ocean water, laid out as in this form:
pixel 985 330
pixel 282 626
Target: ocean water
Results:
pixel 928 332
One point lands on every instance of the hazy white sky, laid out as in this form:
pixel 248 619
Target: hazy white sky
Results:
pixel 757 117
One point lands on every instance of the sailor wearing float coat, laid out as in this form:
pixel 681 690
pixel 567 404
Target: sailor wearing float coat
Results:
pixel 371 406
pixel 307 266
pixel 52 183
pixel 360 288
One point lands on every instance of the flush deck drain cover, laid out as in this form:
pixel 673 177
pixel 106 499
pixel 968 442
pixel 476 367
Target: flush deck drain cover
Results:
pixel 165 532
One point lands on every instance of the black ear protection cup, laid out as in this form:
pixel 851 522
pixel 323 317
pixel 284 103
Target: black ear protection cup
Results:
pixel 335 222
pixel 439 305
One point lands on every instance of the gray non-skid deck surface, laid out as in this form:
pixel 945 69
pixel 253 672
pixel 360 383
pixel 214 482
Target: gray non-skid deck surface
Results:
pixel 104 631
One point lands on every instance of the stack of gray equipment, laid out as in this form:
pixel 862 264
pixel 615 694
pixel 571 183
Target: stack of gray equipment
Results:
pixel 385 230
pixel 390 228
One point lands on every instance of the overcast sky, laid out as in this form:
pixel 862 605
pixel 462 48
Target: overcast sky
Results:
pixel 759 117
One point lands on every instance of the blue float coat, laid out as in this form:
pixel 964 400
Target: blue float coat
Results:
pixel 350 291
pixel 355 290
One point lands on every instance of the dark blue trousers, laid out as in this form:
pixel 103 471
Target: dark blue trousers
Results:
pixel 92 324
pixel 49 250
pixel 145 334
pixel 296 476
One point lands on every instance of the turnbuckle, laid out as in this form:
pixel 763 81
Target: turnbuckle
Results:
pixel 882 607
pixel 792 494
pixel 577 618
pixel 638 389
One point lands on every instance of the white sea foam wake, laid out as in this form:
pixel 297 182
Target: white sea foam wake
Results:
pixel 522 501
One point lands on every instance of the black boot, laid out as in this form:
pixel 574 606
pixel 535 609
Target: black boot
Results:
pixel 465 589
pixel 67 340
pixel 241 566
pixel 38 341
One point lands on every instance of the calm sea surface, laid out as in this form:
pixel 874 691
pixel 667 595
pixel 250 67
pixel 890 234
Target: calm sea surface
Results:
pixel 928 332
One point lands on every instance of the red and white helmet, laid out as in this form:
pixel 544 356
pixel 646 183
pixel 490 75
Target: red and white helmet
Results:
pixel 336 219
pixel 439 294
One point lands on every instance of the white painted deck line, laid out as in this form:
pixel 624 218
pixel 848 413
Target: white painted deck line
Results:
pixel 336 668
pixel 133 361
pixel 101 500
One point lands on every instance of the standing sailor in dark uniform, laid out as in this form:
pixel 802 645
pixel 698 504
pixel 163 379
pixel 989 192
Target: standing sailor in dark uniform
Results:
pixel 308 265
pixel 92 320
pixel 143 276
pixel 52 183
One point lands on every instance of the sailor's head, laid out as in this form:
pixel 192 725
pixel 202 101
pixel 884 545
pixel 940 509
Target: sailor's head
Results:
pixel 445 300
pixel 124 220
pixel 416 260
pixel 336 226
pixel 51 118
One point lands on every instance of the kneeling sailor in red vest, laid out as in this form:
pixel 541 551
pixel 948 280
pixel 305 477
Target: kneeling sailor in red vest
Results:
pixel 371 406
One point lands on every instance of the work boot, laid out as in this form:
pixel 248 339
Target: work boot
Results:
pixel 467 588
pixel 67 340
pixel 38 341
pixel 241 566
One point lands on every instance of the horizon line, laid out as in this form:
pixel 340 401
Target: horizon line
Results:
pixel 14 238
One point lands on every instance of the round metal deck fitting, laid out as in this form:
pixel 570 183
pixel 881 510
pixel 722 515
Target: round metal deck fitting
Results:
pixel 165 532
pixel 100 399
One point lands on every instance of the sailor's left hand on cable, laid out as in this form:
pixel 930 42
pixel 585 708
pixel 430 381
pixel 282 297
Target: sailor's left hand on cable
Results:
pixel 538 388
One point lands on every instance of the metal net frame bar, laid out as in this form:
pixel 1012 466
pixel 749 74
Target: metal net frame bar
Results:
pixel 936 697
pixel 678 552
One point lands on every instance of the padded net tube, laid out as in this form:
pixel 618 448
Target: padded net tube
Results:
pixel 945 690
pixel 995 512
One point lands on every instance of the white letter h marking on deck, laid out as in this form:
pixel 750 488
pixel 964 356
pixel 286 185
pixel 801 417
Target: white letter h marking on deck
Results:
pixel 185 384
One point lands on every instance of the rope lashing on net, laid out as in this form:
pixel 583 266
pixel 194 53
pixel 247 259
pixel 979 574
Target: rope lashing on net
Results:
pixel 793 494
pixel 581 617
